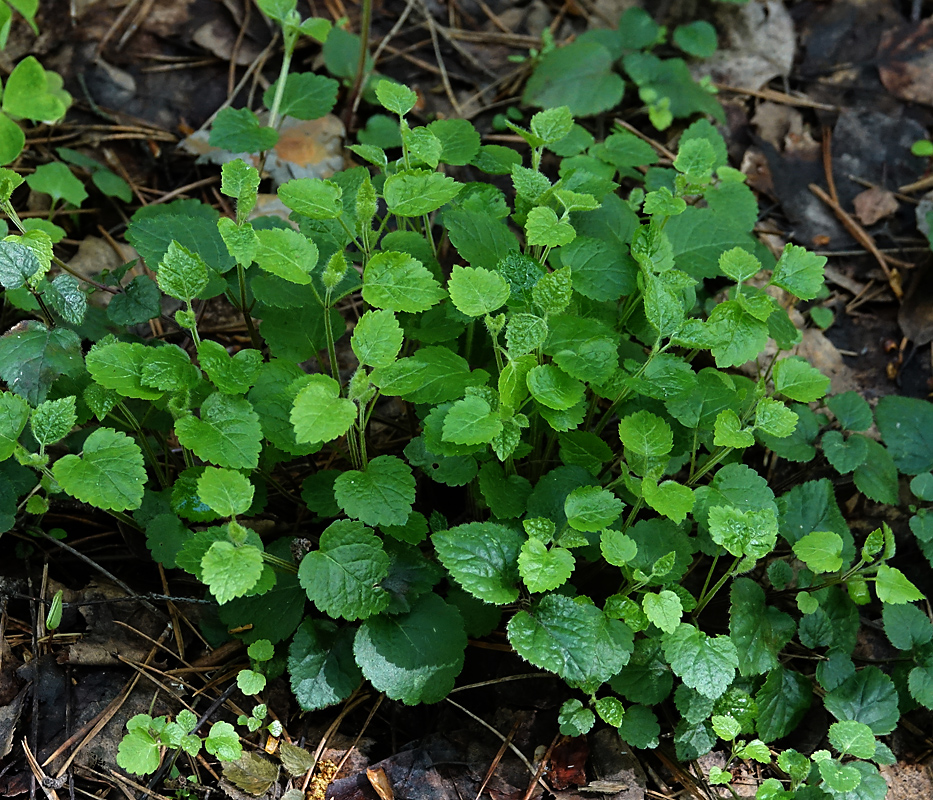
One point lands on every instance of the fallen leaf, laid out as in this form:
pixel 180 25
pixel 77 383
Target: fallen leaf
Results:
pixel 874 204
pixel 380 783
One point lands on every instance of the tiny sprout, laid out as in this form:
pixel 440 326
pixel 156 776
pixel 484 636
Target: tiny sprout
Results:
pixel 54 617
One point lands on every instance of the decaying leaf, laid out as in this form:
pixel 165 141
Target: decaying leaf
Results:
pixel 251 773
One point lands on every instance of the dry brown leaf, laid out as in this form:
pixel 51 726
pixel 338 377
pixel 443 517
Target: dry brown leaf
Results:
pixel 380 783
pixel 874 204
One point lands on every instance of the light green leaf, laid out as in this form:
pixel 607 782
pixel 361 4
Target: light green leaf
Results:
pixel 751 533
pixel 774 418
pixel 227 492
pixel 231 571
pixel 238 131
pixel 121 367
pixel 109 473
pixel 541 569
pixel 342 576
pixel 57 180
pixel 240 181
pixel 432 375
pixel 312 197
pixel 398 282
pixel 799 272
pixel 377 338
pixel 476 291
pixel 227 434
pixel 647 440
pixel 610 710
pixel 542 227
pixel 53 419
pixel 232 375
pixel 65 297
pixel 704 663
pixel 672 499
pixel 395 98
pixel 222 741
pixel 249 682
pixel 471 421
pixel 664 609
pixel 182 273
pixel 414 192
pixel 796 379
pixel 381 495
pixel 821 551
pixel 893 587
pixel 552 124
pixel 728 431
pixel 739 264
pixel 617 548
pixel 851 738
pixel 551 292
pixel 574 719
pixel 483 558
pixel 459 140
pixel 319 413
pixel 286 253
pixel 591 508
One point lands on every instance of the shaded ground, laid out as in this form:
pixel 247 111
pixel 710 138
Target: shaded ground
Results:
pixel 834 97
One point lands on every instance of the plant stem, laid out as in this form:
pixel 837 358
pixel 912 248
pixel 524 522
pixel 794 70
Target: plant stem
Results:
pixel 704 601
pixel 144 443
pixel 366 16
pixel 247 317
pixel 329 334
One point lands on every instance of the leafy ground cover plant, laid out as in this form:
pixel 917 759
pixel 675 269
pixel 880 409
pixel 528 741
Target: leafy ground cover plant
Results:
pixel 567 362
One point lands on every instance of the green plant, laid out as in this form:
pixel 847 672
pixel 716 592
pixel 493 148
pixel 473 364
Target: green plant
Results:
pixel 576 381
pixel 583 76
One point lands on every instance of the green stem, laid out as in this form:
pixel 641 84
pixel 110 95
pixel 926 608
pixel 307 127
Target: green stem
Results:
pixel 329 334
pixel 366 16
pixel 289 42
pixel 281 563
pixel 144 443
pixel 247 317
pixel 704 601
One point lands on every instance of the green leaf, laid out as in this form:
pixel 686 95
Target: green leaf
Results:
pixel 542 227
pixel 869 697
pixel 579 76
pixel 312 197
pixel 250 682
pixel 647 440
pixel 610 710
pixel 617 548
pixel 921 486
pixel 320 663
pixel 168 368
pixel 14 412
pixel 845 454
pixel 238 130
pixel 821 551
pixel 240 181
pixel 18 263
pixel 414 192
pixel 483 558
pixel 139 302
pixel 506 496
pixel 381 495
pixel 138 752
pixel 590 508
pixel 541 569
pixel 231 571
pixel 413 657
pixel 65 297
pixel 32 357
pixel 395 98
pixel 739 264
pixel 223 742
pixel 574 719
pixel 228 433
pixel 758 631
pixel 851 738
pixel 12 140
pixel 799 272
pixel 471 421
pixel 342 576
pixel 182 273
pixel 796 379
pixel 906 425
pixel 306 95
pixel 319 414
pixel 398 282
pixel 876 477
pixel 377 338
pixel 663 609
pixel 525 333
pixel 672 499
pixel 697 38
pixel 53 420
pixel 852 411
pixel 599 270
pixel 476 291
pixel 554 388
pixel 227 492
pixel 551 292
pixel 782 701
pixel 109 473
pixel 893 587
pixel 31 93
pixel 232 375
pixel 751 533
pixel 57 180
pixel 906 626
pixel 576 641
pixel 459 140
pixel 728 431
pixel 640 727
pixel 704 663
pixel 432 375
pixel 552 124
pixel 121 367
pixel 287 254
pixel 480 239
